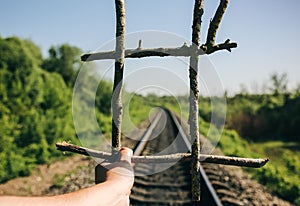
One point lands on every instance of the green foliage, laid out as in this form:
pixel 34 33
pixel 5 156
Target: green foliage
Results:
pixel 264 117
pixel 279 83
pixel 64 60
pixel 36 104
pixel 34 51
pixel 92 98
pixel 136 108
pixel 213 109
pixel 103 97
pixel 281 174
pixel 35 109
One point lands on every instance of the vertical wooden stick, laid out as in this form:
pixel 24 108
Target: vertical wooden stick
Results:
pixel 193 115
pixel 118 77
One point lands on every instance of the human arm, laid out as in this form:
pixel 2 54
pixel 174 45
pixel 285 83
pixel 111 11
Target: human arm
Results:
pixel 114 191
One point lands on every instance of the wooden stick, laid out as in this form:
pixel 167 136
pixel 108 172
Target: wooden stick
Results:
pixel 210 46
pixel 227 45
pixel 118 77
pixel 215 23
pixel 139 53
pixel 235 161
pixel 194 96
pixel 184 51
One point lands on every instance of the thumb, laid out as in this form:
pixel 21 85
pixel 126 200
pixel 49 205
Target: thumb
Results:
pixel 126 154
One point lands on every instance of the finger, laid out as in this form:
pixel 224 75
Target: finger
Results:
pixel 126 154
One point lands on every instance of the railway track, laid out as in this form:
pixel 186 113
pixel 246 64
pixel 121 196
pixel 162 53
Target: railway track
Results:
pixel 170 184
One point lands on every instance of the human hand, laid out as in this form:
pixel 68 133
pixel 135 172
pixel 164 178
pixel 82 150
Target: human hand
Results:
pixel 119 175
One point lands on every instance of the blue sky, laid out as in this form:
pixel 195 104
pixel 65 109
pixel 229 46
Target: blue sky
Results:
pixel 267 32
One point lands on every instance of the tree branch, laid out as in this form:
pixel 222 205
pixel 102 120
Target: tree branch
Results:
pixel 236 161
pixel 227 45
pixel 210 46
pixel 215 23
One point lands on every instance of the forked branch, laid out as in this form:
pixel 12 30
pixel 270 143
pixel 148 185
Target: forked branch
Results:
pixel 215 23
pixel 210 46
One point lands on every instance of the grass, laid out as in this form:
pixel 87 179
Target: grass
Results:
pixel 59 180
pixel 283 169
pixel 281 175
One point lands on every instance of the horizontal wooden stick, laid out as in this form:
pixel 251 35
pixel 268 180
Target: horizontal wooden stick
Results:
pixel 236 161
pixel 139 53
pixel 184 51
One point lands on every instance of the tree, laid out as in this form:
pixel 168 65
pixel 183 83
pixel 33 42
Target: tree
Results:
pixel 35 108
pixel 279 83
pixel 64 60
pixel 243 89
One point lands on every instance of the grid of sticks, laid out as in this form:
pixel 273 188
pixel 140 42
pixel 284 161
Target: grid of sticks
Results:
pixel 194 52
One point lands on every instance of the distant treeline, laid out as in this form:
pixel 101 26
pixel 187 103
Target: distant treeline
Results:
pixel 265 117
pixel 260 117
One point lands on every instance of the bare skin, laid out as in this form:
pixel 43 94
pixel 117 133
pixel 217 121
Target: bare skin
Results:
pixel 114 191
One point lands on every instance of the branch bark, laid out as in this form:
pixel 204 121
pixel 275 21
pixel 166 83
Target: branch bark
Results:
pixel 210 46
pixel 184 51
pixel 215 23
pixel 227 45
pixel 118 77
pixel 140 53
pixel 193 113
pixel 233 161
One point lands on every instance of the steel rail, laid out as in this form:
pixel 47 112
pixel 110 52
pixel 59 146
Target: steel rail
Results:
pixel 143 141
pixel 202 172
pixel 140 147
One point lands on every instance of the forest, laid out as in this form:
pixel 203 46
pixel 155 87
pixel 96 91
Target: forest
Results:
pixel 36 112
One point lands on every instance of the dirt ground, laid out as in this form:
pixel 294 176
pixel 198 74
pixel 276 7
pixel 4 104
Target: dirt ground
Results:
pixel 42 177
